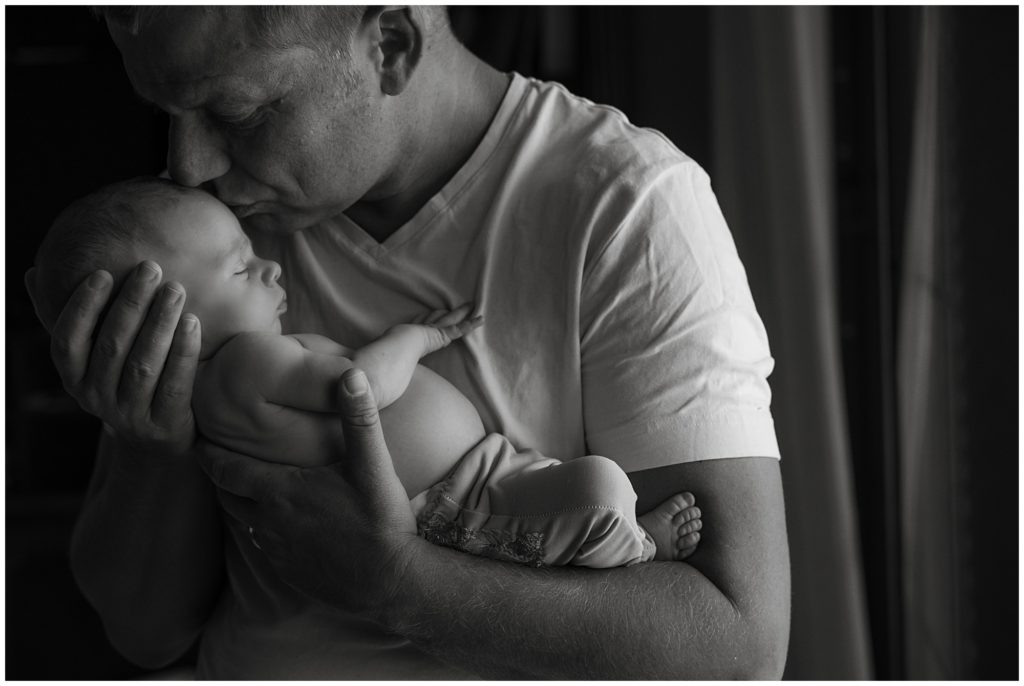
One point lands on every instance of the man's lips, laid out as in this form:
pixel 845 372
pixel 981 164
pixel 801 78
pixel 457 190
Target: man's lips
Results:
pixel 282 307
pixel 244 210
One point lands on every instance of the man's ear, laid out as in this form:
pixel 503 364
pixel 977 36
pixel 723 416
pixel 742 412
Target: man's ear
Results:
pixel 401 45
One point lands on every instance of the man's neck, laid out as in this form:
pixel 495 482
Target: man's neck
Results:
pixel 456 116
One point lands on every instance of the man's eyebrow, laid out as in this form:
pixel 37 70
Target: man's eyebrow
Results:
pixel 223 100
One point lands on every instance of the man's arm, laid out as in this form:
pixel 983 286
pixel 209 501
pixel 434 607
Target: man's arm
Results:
pixel 148 551
pixel 722 613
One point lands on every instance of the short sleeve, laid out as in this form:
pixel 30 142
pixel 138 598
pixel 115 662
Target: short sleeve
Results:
pixel 674 357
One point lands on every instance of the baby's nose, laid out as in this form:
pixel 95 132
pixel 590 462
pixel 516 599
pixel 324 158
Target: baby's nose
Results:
pixel 271 272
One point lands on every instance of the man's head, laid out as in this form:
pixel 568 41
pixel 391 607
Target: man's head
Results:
pixel 194 238
pixel 289 115
pixel 272 27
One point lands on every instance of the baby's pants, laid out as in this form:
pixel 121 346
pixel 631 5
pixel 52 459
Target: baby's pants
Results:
pixel 524 507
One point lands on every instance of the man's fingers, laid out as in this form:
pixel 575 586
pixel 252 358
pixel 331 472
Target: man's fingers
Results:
pixel 173 395
pixel 145 362
pixel 368 465
pixel 70 341
pixel 241 508
pixel 241 475
pixel 119 329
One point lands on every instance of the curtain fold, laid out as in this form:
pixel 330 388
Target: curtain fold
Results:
pixel 773 174
pixel 927 423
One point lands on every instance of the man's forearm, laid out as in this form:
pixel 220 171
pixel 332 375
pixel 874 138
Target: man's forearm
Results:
pixel 147 552
pixel 724 613
pixel 653 621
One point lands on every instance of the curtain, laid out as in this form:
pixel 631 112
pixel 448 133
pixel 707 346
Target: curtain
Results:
pixel 773 174
pixel 958 332
pixel 928 516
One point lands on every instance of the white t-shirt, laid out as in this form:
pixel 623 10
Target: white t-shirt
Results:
pixel 617 321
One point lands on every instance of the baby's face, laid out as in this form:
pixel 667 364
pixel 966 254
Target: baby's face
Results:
pixel 199 243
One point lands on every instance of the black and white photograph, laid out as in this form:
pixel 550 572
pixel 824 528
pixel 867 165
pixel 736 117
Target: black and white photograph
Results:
pixel 512 342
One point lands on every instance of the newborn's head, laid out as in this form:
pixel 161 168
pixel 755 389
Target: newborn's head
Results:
pixel 194 238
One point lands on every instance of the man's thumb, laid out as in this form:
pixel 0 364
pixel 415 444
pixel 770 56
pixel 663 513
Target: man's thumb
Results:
pixel 367 464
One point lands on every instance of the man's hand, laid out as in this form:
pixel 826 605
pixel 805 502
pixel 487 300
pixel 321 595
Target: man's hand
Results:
pixel 343 533
pixel 136 373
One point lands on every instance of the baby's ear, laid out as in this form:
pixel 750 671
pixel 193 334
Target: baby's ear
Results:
pixel 30 286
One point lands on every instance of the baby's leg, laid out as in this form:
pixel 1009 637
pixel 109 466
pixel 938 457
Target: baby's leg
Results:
pixel 675 527
pixel 528 508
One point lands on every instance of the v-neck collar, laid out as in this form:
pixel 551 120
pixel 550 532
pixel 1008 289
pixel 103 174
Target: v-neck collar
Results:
pixel 363 241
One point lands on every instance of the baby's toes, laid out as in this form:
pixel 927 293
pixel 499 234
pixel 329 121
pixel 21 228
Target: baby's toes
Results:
pixel 676 504
pixel 690 527
pixel 687 547
pixel 689 537
pixel 685 515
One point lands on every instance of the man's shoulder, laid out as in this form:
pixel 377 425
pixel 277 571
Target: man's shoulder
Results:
pixel 597 142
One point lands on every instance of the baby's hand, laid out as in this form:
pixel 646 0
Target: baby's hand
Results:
pixel 441 327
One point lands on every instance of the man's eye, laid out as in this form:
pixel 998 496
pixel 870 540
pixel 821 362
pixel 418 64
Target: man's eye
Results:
pixel 243 270
pixel 241 122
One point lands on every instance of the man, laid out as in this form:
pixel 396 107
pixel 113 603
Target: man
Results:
pixel 365 148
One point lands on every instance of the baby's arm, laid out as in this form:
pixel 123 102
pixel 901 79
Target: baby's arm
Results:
pixel 300 372
pixel 390 361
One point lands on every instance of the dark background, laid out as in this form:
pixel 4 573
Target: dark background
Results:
pixel 73 124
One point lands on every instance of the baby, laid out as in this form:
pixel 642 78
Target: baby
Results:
pixel 272 396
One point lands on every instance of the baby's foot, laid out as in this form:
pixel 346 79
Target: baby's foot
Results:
pixel 675 527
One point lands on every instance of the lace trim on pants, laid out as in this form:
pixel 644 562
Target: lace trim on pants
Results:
pixel 499 544
pixel 527 549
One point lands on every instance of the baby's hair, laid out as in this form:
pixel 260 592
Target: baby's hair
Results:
pixel 96 232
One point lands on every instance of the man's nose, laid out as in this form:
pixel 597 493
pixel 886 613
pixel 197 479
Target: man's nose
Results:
pixel 195 152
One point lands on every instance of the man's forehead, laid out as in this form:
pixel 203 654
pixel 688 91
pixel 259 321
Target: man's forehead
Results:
pixel 181 56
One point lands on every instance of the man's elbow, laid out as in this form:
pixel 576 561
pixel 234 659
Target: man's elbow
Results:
pixel 150 650
pixel 745 648
pixel 765 659
pixel 144 640
pixel 140 640
pixel 765 645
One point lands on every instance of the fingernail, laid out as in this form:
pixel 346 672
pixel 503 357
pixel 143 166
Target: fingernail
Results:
pixel 355 383
pixel 189 322
pixel 148 271
pixel 174 294
pixel 97 280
